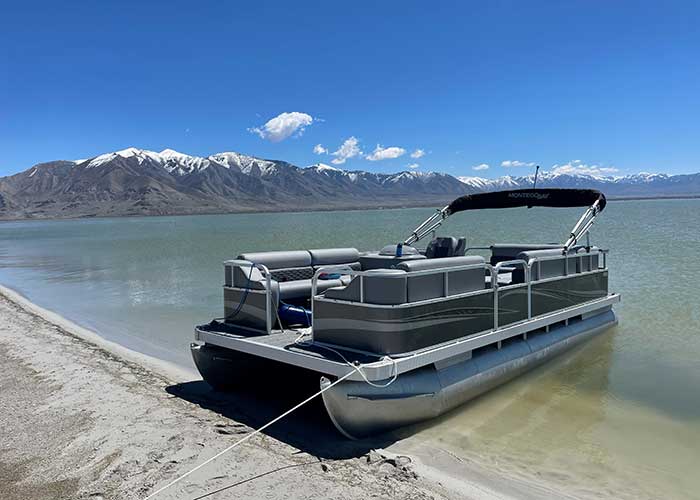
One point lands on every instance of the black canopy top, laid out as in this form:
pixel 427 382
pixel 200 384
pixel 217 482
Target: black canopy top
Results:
pixel 540 197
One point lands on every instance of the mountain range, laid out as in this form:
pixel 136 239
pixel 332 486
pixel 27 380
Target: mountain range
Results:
pixel 141 182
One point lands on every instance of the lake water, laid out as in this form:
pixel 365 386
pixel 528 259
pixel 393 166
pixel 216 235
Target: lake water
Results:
pixel 619 417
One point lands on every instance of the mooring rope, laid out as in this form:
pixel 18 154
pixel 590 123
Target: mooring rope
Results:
pixel 355 366
pixel 248 436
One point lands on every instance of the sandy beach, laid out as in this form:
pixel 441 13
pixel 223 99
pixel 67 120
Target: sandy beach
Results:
pixel 84 418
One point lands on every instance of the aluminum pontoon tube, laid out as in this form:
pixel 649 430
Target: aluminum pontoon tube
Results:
pixel 359 410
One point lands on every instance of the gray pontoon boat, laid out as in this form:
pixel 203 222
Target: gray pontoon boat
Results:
pixel 422 331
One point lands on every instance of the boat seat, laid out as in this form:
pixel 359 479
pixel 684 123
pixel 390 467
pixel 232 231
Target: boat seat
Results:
pixel 291 271
pixel 432 286
pixel 301 289
pixel 563 266
pixel 286 265
pixel 445 246
pixel 510 251
pixel 381 286
pixel 321 257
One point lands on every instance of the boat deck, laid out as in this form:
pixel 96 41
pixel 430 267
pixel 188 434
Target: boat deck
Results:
pixel 283 346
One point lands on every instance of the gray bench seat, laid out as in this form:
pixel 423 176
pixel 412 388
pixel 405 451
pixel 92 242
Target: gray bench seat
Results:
pixel 291 271
pixel 395 286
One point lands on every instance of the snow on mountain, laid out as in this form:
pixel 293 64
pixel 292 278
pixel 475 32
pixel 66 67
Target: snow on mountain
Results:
pixel 246 164
pixel 322 167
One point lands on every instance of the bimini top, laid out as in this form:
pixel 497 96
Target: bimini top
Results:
pixel 540 197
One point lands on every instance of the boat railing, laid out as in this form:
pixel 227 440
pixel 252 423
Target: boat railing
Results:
pixel 526 268
pixel 493 272
pixel 353 272
pixel 580 255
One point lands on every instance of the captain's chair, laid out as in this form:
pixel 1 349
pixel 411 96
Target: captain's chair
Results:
pixel 446 246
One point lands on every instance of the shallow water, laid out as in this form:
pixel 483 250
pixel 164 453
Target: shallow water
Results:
pixel 619 417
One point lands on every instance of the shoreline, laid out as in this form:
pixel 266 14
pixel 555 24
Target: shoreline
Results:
pixel 140 422
pixel 315 209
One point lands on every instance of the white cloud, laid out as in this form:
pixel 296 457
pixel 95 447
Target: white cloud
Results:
pixel 577 167
pixel 283 126
pixel 349 149
pixel 517 163
pixel 418 153
pixel 320 150
pixel 482 166
pixel 413 166
pixel 389 153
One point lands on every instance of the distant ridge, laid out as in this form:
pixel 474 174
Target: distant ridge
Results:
pixel 142 182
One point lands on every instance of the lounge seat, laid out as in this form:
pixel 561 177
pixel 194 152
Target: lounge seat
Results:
pixel 291 271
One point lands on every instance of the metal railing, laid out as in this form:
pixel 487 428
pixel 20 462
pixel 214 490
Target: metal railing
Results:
pixel 492 270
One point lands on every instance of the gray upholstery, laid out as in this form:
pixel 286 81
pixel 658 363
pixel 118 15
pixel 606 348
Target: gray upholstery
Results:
pixel 461 247
pixel 550 268
pixel 279 260
pixel 432 286
pixel 352 265
pixel 500 253
pixel 379 288
pixel 330 256
pixel 301 289
pixel 378 261
pixel 291 271
pixel 241 273
pixel 443 246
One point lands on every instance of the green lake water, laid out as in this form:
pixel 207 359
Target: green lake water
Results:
pixel 619 417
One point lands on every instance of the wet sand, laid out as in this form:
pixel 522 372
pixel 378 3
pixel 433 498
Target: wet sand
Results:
pixel 84 418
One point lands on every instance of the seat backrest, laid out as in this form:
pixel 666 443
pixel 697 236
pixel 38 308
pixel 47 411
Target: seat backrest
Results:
pixel 381 286
pixel 510 251
pixel 430 286
pixel 461 247
pixel 286 265
pixel 442 246
pixel 321 257
pixel 550 268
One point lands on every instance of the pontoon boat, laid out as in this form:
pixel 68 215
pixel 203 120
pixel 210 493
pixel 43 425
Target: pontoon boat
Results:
pixel 422 331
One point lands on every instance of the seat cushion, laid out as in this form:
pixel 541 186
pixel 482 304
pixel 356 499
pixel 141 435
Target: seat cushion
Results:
pixel 301 289
pixel 510 251
pixel 444 246
pixel 279 260
pixel 330 256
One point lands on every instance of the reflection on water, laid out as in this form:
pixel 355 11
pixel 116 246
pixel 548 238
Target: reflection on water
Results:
pixel 618 417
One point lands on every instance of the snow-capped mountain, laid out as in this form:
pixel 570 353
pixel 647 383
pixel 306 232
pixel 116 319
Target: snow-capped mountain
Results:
pixel 644 185
pixel 141 182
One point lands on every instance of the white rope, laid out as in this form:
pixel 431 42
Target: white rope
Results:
pixel 248 436
pixel 356 366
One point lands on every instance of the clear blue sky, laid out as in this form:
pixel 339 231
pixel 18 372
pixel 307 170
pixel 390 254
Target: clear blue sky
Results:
pixel 612 84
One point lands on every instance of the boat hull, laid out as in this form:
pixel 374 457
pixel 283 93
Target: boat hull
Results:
pixel 359 410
